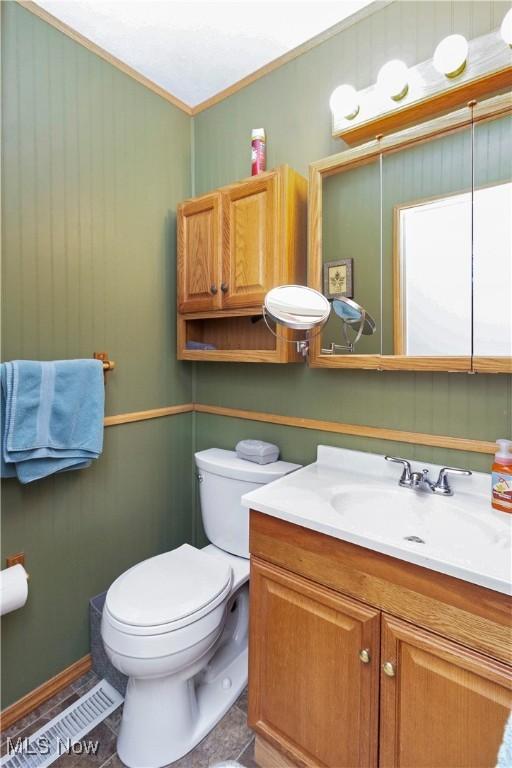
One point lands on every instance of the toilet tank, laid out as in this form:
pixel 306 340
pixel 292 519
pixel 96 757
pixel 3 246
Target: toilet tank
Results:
pixel 223 480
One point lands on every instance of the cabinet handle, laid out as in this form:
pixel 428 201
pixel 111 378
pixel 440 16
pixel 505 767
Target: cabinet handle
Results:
pixel 213 289
pixel 389 669
pixel 365 656
pixel 224 287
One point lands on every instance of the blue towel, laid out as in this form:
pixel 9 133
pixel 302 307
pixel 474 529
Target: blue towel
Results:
pixel 505 753
pixel 52 416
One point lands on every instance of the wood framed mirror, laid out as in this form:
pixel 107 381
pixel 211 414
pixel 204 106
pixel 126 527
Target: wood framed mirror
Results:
pixel 424 217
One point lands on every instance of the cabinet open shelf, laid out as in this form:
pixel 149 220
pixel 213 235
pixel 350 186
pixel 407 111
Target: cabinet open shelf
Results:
pixel 235 244
pixel 235 336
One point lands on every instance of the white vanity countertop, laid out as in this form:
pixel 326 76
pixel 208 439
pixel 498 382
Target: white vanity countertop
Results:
pixel 355 496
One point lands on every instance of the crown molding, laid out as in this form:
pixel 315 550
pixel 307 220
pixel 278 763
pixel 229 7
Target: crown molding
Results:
pixel 29 5
pixel 53 21
pixel 301 49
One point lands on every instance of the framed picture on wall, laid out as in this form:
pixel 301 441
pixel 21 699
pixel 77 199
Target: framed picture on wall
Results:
pixel 338 279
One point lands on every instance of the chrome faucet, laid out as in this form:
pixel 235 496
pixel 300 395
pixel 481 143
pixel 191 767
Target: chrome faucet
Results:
pixel 420 481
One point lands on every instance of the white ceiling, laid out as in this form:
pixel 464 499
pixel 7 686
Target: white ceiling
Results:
pixel 197 48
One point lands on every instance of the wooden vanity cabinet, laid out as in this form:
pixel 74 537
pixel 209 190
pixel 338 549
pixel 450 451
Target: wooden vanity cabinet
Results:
pixel 445 706
pixel 358 660
pixel 310 691
pixel 234 245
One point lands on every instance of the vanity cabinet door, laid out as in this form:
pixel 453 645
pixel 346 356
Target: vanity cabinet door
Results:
pixel 250 241
pixel 442 705
pixel 311 694
pixel 199 254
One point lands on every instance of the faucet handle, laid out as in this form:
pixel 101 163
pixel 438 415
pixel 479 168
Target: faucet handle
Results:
pixel 406 474
pixel 442 485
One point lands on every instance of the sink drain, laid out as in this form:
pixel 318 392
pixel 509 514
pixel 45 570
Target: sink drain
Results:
pixel 416 539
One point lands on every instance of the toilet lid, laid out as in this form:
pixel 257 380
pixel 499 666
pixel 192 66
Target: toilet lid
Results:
pixel 168 587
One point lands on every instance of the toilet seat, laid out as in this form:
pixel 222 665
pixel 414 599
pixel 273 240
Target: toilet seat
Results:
pixel 168 592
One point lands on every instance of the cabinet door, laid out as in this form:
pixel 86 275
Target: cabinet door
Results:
pixel 445 706
pixel 199 258
pixel 310 694
pixel 250 234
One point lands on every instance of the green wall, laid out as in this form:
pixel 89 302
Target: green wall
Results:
pixel 291 103
pixel 94 165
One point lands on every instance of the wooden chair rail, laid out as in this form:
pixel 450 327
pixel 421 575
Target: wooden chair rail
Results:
pixel 320 425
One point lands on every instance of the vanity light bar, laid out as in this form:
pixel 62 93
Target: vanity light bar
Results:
pixel 402 96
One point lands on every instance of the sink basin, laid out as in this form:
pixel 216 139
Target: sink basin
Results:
pixel 355 496
pixel 435 524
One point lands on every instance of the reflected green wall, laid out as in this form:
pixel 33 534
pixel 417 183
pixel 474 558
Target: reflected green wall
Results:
pixel 291 103
pixel 351 229
pixel 94 165
pixel 353 202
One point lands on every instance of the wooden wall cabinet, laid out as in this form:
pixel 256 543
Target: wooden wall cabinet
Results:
pixel 336 680
pixel 250 263
pixel 234 245
pixel 199 254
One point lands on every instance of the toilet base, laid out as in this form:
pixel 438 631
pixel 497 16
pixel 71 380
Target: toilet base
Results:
pixel 164 718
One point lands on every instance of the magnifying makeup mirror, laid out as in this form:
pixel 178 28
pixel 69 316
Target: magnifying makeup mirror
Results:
pixel 296 307
pixel 354 316
pixel 303 309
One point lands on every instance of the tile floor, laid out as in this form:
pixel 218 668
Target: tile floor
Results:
pixel 231 739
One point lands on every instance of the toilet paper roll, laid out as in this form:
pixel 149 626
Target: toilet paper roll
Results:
pixel 13 588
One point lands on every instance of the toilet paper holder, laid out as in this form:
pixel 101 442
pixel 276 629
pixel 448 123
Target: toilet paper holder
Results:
pixel 13 588
pixel 17 559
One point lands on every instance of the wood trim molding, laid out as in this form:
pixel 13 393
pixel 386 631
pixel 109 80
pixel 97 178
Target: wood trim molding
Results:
pixel 268 756
pixel 399 330
pixel 492 364
pixel 441 102
pixel 359 430
pixel 31 6
pixel 291 55
pixel 155 413
pixel 42 693
pixel 490 109
pixel 53 21
pixel 321 425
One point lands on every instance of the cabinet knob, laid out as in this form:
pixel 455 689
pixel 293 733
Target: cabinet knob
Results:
pixel 213 289
pixel 389 669
pixel 365 656
pixel 224 287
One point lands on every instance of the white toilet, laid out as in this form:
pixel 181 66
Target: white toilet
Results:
pixel 177 623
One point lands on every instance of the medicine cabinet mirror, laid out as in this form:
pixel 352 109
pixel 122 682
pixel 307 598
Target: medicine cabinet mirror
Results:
pixel 424 216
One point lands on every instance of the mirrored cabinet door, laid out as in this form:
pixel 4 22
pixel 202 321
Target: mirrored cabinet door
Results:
pixel 414 234
pixel 426 250
pixel 492 245
pixel 351 257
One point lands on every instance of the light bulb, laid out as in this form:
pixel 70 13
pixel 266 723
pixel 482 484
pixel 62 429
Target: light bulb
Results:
pixel 451 55
pixel 392 79
pixel 344 101
pixel 506 28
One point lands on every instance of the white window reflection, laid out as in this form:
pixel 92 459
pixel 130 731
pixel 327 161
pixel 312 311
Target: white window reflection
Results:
pixel 435 274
